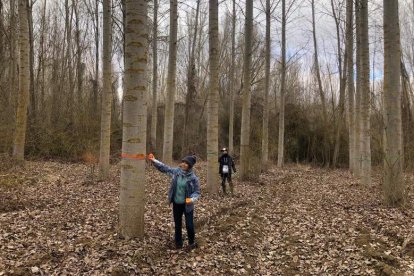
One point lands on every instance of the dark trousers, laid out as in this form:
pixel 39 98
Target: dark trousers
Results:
pixel 224 177
pixel 178 211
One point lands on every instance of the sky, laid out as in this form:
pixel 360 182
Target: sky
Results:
pixel 299 36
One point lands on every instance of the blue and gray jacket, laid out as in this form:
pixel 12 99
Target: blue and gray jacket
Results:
pixel 192 189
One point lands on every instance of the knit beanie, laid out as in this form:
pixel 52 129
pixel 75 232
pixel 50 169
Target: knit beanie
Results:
pixel 190 160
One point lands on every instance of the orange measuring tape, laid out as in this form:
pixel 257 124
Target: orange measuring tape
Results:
pixel 133 156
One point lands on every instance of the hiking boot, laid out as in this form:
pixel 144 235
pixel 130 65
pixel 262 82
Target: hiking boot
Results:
pixel 192 246
pixel 174 246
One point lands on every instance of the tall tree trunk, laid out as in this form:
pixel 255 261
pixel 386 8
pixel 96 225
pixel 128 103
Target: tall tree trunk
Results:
pixel 358 90
pixel 393 147
pixel 265 131
pixel 281 142
pixel 325 142
pixel 406 109
pixel 342 87
pixel 233 80
pixel 13 71
pixel 212 123
pixel 70 100
pixel 55 89
pixel 1 36
pixel 43 63
pixel 123 8
pixel 317 67
pixel 172 71
pixel 96 83
pixel 365 97
pixel 107 91
pixel 124 24
pixel 349 61
pixel 191 86
pixel 246 107
pixel 40 77
pixel 32 104
pixel 79 66
pixel 131 200
pixel 24 83
pixel 61 76
pixel 154 113
pixel 3 64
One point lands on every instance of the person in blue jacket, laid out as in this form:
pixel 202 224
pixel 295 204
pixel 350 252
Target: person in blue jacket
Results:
pixel 183 193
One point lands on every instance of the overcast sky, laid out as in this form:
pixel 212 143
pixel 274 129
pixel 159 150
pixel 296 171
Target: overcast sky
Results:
pixel 299 36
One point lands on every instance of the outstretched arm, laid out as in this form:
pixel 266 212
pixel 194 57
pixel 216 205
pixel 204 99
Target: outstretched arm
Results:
pixel 162 167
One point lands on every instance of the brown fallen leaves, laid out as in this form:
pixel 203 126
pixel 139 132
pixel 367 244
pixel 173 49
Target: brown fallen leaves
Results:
pixel 293 221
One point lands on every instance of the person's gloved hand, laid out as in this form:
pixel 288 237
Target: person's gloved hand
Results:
pixel 151 157
pixel 188 200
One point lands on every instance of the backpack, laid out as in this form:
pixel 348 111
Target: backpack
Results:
pixel 225 163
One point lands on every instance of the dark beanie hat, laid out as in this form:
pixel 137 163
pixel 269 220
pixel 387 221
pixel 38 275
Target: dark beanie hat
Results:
pixel 190 160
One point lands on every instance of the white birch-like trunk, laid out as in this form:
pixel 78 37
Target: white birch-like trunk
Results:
pixel 349 48
pixel 357 134
pixel 154 113
pixel 233 80
pixel 171 81
pixel 393 145
pixel 342 86
pixel 246 106
pixel 212 116
pixel 97 35
pixel 131 200
pixel 107 91
pixel 281 139
pixel 365 98
pixel 24 83
pixel 265 131
pixel 13 70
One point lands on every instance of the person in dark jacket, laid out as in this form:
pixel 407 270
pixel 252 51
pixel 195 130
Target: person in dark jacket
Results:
pixel 225 169
pixel 183 193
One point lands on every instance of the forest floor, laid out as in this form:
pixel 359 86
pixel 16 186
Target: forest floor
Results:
pixel 298 220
